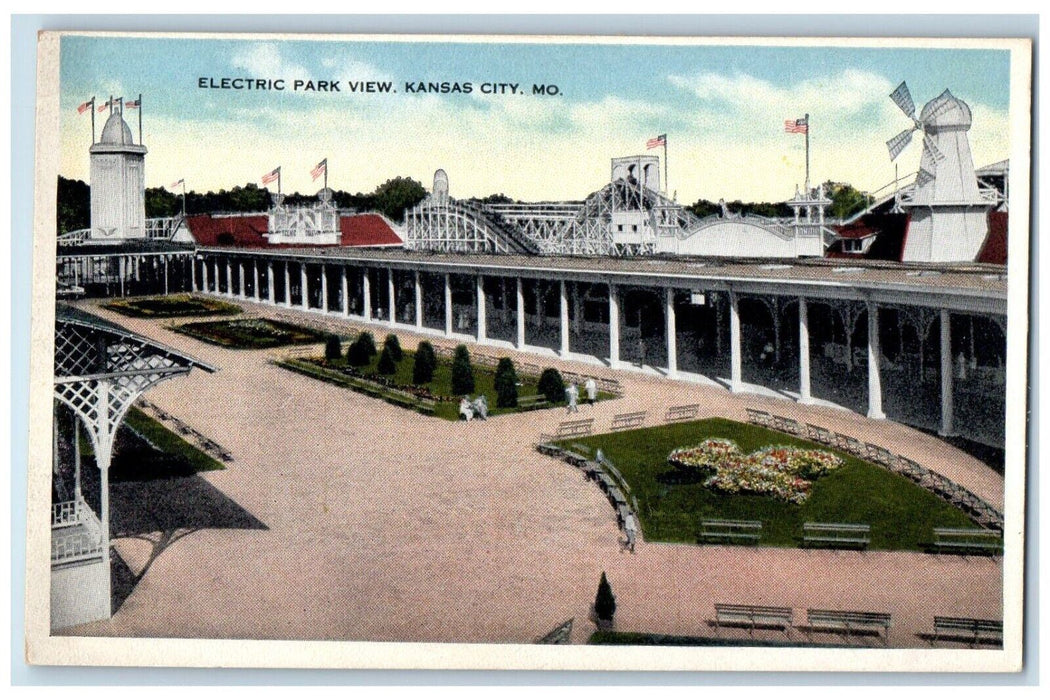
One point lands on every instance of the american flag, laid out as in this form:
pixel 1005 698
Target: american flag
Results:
pixel 320 169
pixel 271 176
pixel 105 105
pixel 796 126
pixel 132 104
pixel 660 140
pixel 86 106
pixel 176 183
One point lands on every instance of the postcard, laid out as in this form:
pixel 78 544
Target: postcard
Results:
pixel 542 352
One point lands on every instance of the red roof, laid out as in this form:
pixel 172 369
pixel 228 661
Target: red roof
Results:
pixel 249 231
pixel 994 248
pixel 890 231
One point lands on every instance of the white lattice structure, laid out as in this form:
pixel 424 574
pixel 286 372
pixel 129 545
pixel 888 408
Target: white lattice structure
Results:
pixel 100 369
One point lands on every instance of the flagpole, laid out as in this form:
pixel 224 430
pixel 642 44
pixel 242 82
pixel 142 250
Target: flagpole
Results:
pixel 807 154
pixel 326 173
pixel 183 198
pixel 140 123
pixel 278 179
pixel 92 120
pixel 667 185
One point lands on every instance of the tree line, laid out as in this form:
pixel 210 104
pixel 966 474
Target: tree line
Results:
pixel 391 198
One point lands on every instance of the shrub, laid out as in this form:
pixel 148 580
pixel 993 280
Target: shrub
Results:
pixel 386 363
pixel 425 363
pixel 506 384
pixel 394 346
pixel 462 372
pixel 605 601
pixel 551 385
pixel 357 354
pixel 368 343
pixel 332 351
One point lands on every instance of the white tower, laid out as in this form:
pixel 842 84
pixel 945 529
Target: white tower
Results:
pixel 949 212
pixel 118 184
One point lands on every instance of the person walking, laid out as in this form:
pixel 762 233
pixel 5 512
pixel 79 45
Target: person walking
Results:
pixel 572 397
pixel 591 387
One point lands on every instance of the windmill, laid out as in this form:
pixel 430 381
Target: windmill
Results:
pixel 931 154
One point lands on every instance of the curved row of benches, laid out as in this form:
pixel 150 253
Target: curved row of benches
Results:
pixel 964 499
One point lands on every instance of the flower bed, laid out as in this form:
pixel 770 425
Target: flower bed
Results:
pixel 784 472
pixel 250 333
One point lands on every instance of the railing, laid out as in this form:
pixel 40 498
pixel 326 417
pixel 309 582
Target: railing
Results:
pixel 66 513
pixel 76 533
pixel 74 237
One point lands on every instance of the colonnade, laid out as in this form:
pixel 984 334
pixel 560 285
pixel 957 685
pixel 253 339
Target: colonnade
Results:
pixel 236 269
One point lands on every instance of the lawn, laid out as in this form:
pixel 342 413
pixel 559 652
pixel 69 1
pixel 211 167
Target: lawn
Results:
pixel 439 386
pixel 171 306
pixel 901 514
pixel 135 458
pixel 250 333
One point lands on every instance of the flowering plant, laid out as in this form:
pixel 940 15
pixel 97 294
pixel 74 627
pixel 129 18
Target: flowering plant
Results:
pixel 780 471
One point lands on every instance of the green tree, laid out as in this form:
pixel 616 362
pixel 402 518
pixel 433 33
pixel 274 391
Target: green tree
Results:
pixel 386 363
pixel 332 351
pixel 506 384
pixel 368 343
pixel 462 372
pixel 73 205
pixel 358 355
pixel 604 601
pixel 161 202
pixel 394 346
pixel 395 195
pixel 846 200
pixel 425 363
pixel 551 385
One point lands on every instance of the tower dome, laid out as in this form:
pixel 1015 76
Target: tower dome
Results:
pixel 945 112
pixel 116 132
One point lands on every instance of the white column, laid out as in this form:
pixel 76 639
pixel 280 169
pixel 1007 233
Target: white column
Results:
pixel 482 309
pixel 391 302
pixel 345 286
pixel 229 278
pixel 270 294
pixel 448 305
pixel 204 276
pixel 287 285
pixel 324 288
pixel 193 274
pixel 874 356
pixel 672 333
pixel 304 287
pixel 240 276
pixel 366 289
pixel 215 274
pixel 121 268
pixel 520 318
pixel 804 391
pixel 164 260
pixel 947 379
pixel 255 279
pixel 563 299
pixel 419 301
pixel 734 343
pixel 103 456
pixel 614 326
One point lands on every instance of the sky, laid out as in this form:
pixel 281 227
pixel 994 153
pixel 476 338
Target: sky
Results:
pixel 722 107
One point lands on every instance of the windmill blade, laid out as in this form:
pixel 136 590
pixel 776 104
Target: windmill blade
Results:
pixel 930 147
pixel 924 177
pixel 902 98
pixel 899 142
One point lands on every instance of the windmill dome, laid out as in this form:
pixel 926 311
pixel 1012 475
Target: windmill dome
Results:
pixel 946 112
pixel 116 132
pixel 440 184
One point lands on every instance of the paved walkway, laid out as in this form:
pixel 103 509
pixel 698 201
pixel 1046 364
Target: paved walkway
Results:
pixel 384 525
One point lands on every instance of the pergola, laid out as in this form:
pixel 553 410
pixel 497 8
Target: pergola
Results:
pixel 100 370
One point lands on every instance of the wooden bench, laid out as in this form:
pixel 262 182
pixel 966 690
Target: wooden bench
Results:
pixel 686 412
pixel 752 616
pixel 849 621
pixel 954 539
pixel 967 629
pixel 623 421
pixel 836 534
pixel 571 428
pixel 748 531
pixel 761 418
pixel 534 401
